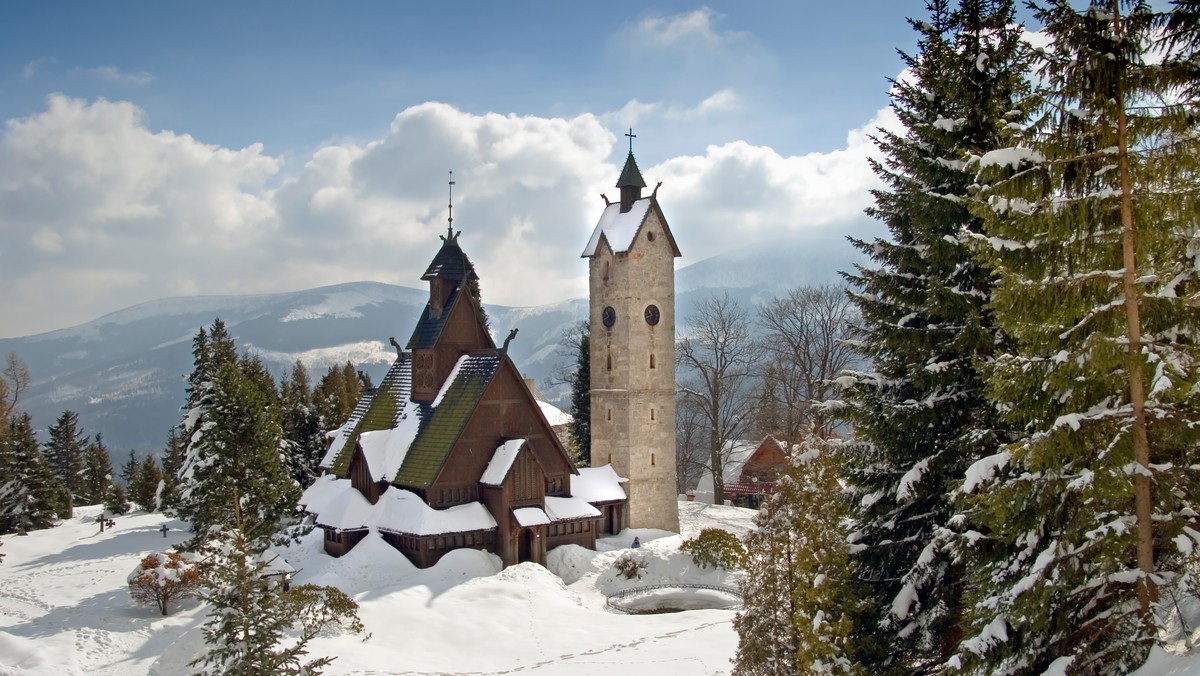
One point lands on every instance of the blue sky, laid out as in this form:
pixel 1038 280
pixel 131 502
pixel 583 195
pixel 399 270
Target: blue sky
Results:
pixel 155 149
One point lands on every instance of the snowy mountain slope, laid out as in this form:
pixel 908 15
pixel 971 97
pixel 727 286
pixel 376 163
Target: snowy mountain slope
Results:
pixel 123 373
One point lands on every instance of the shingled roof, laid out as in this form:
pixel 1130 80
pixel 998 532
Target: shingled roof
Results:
pixel 428 329
pixel 450 262
pixel 452 409
pixel 378 411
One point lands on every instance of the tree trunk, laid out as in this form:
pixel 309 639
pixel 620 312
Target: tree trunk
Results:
pixel 1143 507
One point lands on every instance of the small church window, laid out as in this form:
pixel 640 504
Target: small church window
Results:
pixel 652 414
pixel 610 414
pixel 606 271
pixel 651 360
pixel 651 459
pixel 608 361
pixel 650 235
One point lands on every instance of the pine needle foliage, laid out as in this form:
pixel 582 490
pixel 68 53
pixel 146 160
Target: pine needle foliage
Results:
pixel 798 588
pixel 922 412
pixel 1091 220
pixel 258 626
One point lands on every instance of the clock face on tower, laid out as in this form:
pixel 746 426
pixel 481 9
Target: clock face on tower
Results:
pixel 652 315
pixel 609 316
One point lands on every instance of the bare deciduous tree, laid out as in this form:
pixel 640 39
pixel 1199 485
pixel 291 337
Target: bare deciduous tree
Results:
pixel 718 357
pixel 804 348
pixel 14 379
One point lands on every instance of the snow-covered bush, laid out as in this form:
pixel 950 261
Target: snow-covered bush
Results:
pixel 715 548
pixel 163 577
pixel 630 565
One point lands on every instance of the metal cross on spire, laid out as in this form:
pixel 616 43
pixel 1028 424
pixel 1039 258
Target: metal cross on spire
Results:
pixel 450 210
pixel 631 136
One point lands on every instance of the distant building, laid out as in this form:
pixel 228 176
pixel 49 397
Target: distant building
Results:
pixel 631 271
pixel 452 450
pixel 750 472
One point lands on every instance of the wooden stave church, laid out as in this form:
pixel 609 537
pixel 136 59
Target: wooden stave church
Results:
pixel 478 454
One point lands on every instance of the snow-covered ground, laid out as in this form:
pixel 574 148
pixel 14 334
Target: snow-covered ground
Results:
pixel 65 607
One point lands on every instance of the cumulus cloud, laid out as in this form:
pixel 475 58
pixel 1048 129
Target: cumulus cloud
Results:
pixel 99 212
pixel 117 76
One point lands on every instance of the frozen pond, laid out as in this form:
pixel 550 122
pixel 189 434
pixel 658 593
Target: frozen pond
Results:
pixel 674 598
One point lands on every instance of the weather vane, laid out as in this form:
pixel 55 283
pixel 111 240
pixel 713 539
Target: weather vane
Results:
pixel 631 136
pixel 450 209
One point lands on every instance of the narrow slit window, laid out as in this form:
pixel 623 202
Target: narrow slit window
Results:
pixel 610 414
pixel 652 414
pixel 651 360
pixel 651 459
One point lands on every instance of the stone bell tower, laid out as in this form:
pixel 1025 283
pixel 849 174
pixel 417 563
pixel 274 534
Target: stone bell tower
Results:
pixel 631 271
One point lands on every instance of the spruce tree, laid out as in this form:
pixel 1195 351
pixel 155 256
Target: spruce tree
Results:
pixel 167 494
pixel 798 589
pixel 97 473
pixel 144 488
pixel 581 399
pixel 256 626
pixel 336 395
pixel 922 411
pixel 129 468
pixel 239 448
pixel 302 434
pixel 64 451
pixel 29 496
pixel 1092 221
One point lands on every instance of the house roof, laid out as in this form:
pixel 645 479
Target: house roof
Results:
pixel 620 229
pixel 502 461
pixel 428 329
pixel 380 410
pixel 631 175
pixel 450 262
pixel 447 417
pixel 738 452
pixel 401 511
pixel 597 484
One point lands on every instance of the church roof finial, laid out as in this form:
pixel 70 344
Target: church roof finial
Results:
pixel 450 211
pixel 631 176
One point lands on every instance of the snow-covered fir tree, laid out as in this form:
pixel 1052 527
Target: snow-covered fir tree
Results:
pixel 257 627
pixel 798 589
pixel 97 473
pixel 922 410
pixel 64 451
pixel 29 496
pixel 1092 221
pixel 304 440
pixel 237 446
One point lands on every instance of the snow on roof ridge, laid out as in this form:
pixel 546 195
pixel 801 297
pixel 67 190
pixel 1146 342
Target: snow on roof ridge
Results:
pixel 619 228
pixel 502 461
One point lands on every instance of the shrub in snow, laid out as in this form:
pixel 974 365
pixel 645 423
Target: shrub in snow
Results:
pixel 715 548
pixel 163 577
pixel 630 565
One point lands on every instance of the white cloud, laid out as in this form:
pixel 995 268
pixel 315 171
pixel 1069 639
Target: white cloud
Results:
pixel 690 29
pixel 99 212
pixel 117 76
